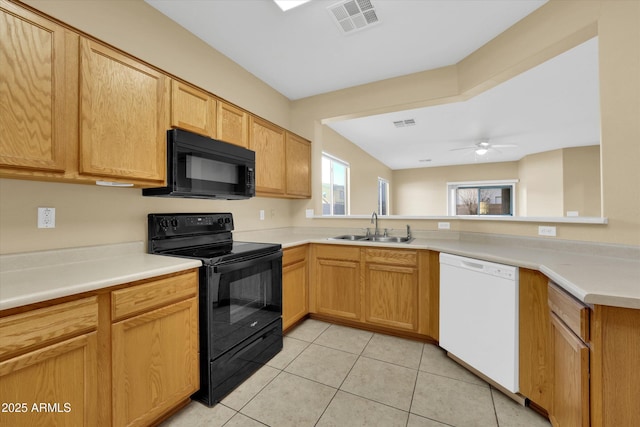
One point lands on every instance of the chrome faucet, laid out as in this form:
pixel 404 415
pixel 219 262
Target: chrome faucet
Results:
pixel 408 232
pixel 374 220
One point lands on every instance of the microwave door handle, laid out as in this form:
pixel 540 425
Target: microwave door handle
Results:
pixel 233 266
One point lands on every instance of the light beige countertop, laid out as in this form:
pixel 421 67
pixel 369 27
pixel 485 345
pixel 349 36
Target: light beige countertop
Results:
pixel 593 273
pixel 40 276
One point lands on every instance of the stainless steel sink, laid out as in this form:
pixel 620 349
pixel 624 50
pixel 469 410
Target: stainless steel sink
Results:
pixel 350 237
pixel 390 239
pixel 382 239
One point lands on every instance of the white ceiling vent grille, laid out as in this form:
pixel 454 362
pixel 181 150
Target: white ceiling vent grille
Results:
pixel 353 15
pixel 404 123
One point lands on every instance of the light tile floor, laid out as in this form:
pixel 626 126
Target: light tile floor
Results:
pixel 330 375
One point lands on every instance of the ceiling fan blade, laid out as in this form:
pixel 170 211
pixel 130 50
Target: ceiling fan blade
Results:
pixel 472 147
pixel 503 145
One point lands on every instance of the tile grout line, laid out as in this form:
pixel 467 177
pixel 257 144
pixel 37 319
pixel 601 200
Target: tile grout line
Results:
pixel 345 377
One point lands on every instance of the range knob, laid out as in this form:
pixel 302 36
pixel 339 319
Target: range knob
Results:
pixel 164 223
pixel 221 220
pixel 174 222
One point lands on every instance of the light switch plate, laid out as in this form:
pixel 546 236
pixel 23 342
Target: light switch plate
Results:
pixel 309 213
pixel 444 226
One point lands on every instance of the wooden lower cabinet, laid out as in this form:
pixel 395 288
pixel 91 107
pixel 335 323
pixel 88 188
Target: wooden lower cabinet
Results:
pixel 48 366
pixel 570 358
pixel 386 289
pixel 154 362
pixel 295 287
pixel 534 336
pixel 337 278
pixel 615 362
pixel 154 352
pixel 122 357
pixel 391 288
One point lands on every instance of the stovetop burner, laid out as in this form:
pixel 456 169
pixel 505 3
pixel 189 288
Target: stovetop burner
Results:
pixel 206 237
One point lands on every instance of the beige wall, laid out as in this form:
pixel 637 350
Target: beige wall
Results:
pixel 554 28
pixel 581 179
pixel 364 169
pixel 89 215
pixel 423 191
pixel 540 188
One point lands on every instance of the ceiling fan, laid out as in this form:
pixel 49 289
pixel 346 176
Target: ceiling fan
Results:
pixel 483 147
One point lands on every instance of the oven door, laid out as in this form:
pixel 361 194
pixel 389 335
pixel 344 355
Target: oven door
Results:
pixel 242 298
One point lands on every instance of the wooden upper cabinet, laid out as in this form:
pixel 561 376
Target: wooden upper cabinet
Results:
pixel 38 106
pixel 298 166
pixel 124 111
pixel 232 124
pixel 192 109
pixel 268 141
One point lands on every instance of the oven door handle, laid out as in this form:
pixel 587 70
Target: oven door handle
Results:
pixel 233 266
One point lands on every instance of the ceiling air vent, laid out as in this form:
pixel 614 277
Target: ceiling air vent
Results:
pixel 353 15
pixel 404 123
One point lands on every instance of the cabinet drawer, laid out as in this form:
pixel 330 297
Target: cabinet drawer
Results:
pixel 571 311
pixel 37 327
pixel 340 252
pixel 392 256
pixel 140 298
pixel 293 255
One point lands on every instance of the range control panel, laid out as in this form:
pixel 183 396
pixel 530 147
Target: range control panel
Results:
pixel 185 224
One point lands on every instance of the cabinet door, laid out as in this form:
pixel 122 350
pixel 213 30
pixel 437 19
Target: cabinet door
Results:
pixel 392 296
pixel 570 406
pixel 192 109
pixel 534 364
pixel 233 125
pixel 124 111
pixel 38 112
pixel 294 293
pixel 267 140
pixel 56 385
pixel 298 166
pixel 155 362
pixel 338 286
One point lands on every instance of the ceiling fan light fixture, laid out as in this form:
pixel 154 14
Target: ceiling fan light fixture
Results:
pixel 481 151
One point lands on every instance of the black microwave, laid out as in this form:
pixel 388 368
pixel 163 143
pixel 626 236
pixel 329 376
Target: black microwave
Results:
pixel 205 168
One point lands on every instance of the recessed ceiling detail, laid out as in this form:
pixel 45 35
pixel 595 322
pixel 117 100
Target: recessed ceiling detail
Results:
pixel 353 15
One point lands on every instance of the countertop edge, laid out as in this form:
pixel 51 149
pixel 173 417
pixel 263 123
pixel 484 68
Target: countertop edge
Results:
pixel 588 298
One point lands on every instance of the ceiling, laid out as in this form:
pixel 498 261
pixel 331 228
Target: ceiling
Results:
pixel 303 52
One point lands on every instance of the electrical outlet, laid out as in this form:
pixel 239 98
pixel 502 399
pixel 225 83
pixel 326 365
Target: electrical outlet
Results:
pixel 444 226
pixel 261 214
pixel 547 231
pixel 46 217
pixel 309 213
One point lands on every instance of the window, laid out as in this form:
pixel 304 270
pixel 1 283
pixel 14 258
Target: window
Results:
pixel 335 186
pixel 482 198
pixel 383 196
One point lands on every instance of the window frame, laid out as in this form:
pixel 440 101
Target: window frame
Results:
pixel 384 183
pixel 347 194
pixel 452 188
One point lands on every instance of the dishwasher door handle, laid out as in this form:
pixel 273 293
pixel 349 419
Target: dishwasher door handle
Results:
pixel 473 265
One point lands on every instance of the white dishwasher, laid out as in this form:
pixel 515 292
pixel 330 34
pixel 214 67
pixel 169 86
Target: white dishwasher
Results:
pixel 479 316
